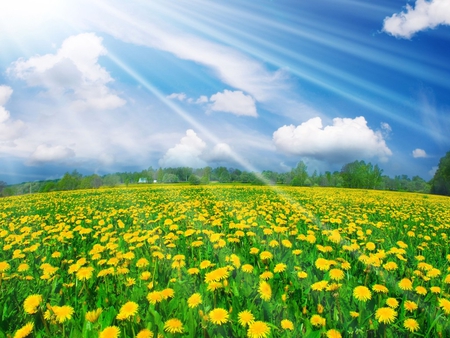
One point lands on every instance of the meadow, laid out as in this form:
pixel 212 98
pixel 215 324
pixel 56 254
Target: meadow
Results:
pixel 224 261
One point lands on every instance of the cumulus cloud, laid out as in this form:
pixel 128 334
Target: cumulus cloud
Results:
pixel 220 153
pixel 9 129
pixel 177 96
pixel 417 153
pixel 47 153
pixel 186 153
pixel 73 73
pixel 425 15
pixel 346 140
pixel 234 102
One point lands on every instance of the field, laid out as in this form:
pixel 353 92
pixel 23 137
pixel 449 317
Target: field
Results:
pixel 224 261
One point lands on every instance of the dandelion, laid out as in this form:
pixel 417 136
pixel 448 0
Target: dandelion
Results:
pixel 205 264
pixel 173 325
pixel 247 268
pixel 217 275
pixel 145 333
pixel 63 313
pixel 286 324
pixel 92 316
pixel 405 284
pixel 317 320
pixel 4 266
pixel 322 264
pixel 378 288
pixel 280 267
pixel 266 275
pixel 154 297
pixel 23 267
pixel 258 329
pixel 435 289
pixel 193 271
pixel 362 293
pixel 392 302
pixel 411 325
pixel 265 291
pixel 128 310
pixel 194 300
pixel 85 273
pixel 319 286
pixel 444 304
pixel 333 334
pixel 302 274
pixel 265 255
pixel 336 274
pixel 31 303
pixel 354 314
pixel 385 315
pixel 245 317
pixel 410 306
pixel 167 293
pixel 110 332
pixel 24 331
pixel 218 316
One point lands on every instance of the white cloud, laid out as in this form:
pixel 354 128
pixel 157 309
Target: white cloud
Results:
pixel 417 153
pixel 177 96
pixel 202 99
pixel 73 73
pixel 346 140
pixel 47 153
pixel 9 129
pixel 425 15
pixel 186 153
pixel 220 153
pixel 234 102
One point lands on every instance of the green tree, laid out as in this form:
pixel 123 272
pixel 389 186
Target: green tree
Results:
pixel 194 180
pixel 440 184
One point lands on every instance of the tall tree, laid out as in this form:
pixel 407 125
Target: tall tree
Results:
pixel 440 184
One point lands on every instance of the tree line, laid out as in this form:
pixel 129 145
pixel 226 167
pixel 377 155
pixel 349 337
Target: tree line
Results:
pixel 357 174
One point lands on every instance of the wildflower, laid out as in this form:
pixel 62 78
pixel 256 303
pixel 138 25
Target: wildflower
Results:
pixel 411 325
pixel 92 316
pixel 63 313
pixel 265 255
pixel 167 293
pixel 24 331
pixel 354 314
pixel 258 329
pixel 317 320
pixel 370 246
pixel 392 302
pixel 266 275
pixel 31 303
pixel 286 324
pixel 128 310
pixel 85 273
pixel 322 264
pixel 194 300
pixel 385 315
pixel 410 306
pixel 435 289
pixel 193 271
pixel 154 297
pixel 4 266
pixel 205 264
pixel 333 334
pixel 265 291
pixel 110 332
pixel 280 267
pixel 217 275
pixel 390 266
pixel 218 316
pixel 173 325
pixel 23 267
pixel 362 293
pixel 378 288
pixel 145 333
pixel 213 286
pixel 247 268
pixel 319 286
pixel 405 284
pixel 302 274
pixel 336 274
pixel 142 263
pixel 245 317
pixel 444 304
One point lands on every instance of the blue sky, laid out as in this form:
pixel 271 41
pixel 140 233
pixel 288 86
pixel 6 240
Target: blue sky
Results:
pixel 103 86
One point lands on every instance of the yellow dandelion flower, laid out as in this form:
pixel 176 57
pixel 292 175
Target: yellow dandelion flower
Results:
pixel 173 325
pixel 254 251
pixel 405 284
pixel 145 333
pixel 411 325
pixel 247 268
pixel 4 266
pixel 319 286
pixel 167 293
pixel 258 329
pixel 322 264
pixel 63 313
pixel 85 273
pixel 378 288
pixel 435 289
pixel 92 316
pixel 390 266
pixel 444 304
pixel 110 332
pixel 194 300
pixel 302 274
pixel 410 306
pixel 354 314
pixel 392 302
pixel 265 291
pixel 280 267
pixel 128 310
pixel 333 334
pixel 447 279
pixel 154 297
pixel 218 316
pixel 265 255
pixel 217 275
pixel 31 303
pixel 385 315
pixel 23 267
pixel 213 286
pixel 205 264
pixel 245 317
pixel 317 320
pixel 266 275
pixel 142 263
pixel 193 271
pixel 337 274
pixel 286 324
pixel 24 331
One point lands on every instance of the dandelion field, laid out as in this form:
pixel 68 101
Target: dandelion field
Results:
pixel 224 261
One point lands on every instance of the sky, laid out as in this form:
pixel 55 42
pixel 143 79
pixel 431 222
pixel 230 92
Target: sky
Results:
pixel 103 86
